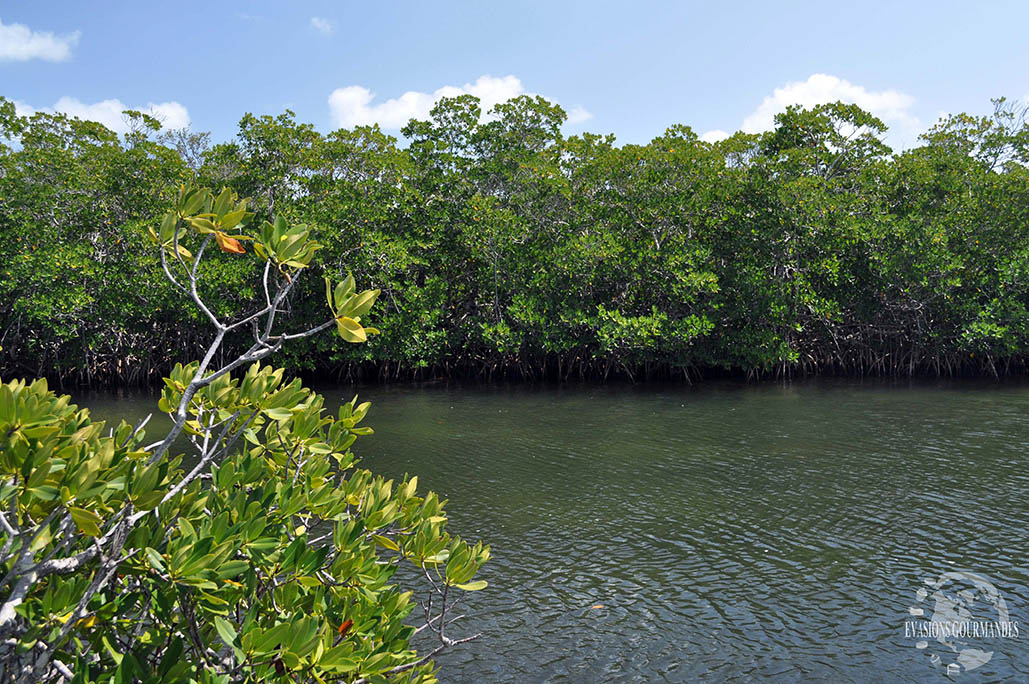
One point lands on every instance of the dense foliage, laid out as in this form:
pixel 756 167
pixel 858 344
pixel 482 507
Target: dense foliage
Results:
pixel 504 248
pixel 261 553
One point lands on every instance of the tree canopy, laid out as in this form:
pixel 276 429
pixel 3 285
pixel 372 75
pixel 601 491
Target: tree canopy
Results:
pixel 504 248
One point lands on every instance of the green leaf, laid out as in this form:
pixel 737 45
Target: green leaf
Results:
pixel 45 492
pixel 350 330
pixel 146 481
pixel 148 502
pixel 344 290
pixel 202 225
pixel 155 559
pixel 224 202
pixel 386 542
pixel 88 522
pixel 361 304
pixel 272 638
pixel 339 659
pixel 473 586
pixel 278 413
pixel 194 203
pixel 225 630
pixel 115 655
pixel 128 670
pixel 232 219
pixel 231 568
pixel 168 226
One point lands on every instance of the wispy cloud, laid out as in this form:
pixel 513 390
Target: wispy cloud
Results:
pixel 892 106
pixel 109 112
pixel 355 105
pixel 322 26
pixel 19 43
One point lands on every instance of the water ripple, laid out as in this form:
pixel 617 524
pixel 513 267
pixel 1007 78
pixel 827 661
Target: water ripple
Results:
pixel 726 534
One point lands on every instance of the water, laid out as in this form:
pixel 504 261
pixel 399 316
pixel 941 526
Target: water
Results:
pixel 722 533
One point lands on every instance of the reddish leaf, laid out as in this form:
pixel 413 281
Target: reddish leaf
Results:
pixel 229 244
pixel 345 627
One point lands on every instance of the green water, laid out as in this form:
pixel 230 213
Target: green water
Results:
pixel 722 533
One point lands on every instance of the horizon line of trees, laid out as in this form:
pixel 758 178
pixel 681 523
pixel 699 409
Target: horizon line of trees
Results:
pixel 505 249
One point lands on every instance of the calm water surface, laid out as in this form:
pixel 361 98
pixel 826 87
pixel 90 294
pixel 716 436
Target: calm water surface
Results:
pixel 725 533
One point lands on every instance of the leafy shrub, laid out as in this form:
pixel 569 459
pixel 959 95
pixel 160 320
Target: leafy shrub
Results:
pixel 267 554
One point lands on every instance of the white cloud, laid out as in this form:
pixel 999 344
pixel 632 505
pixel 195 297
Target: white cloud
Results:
pixel 714 136
pixel 19 43
pixel 354 105
pixel 172 115
pixel 23 109
pixel 577 115
pixel 892 106
pixel 109 112
pixel 323 26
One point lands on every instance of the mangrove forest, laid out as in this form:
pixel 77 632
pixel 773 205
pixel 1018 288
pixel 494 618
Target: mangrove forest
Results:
pixel 504 249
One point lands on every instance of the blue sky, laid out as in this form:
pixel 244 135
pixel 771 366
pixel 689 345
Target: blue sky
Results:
pixel 627 68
